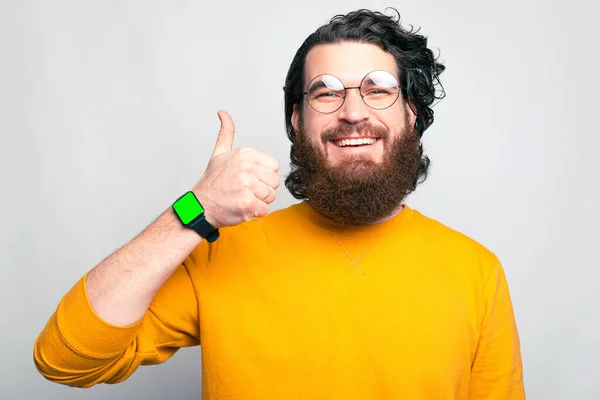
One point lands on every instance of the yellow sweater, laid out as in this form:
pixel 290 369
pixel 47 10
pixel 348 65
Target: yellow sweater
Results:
pixel 293 306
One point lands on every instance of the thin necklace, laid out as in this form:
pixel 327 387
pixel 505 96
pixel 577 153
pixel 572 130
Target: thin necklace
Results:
pixel 356 262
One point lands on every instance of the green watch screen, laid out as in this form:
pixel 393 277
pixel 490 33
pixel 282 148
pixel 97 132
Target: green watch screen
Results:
pixel 188 207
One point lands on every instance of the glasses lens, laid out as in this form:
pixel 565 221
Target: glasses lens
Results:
pixel 325 93
pixel 380 89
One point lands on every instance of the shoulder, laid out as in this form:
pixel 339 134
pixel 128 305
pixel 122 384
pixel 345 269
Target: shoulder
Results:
pixel 277 223
pixel 276 219
pixel 449 243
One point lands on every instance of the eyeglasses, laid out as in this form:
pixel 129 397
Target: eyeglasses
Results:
pixel 378 89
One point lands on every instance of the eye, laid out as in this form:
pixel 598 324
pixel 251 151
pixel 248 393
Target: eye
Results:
pixel 327 95
pixel 378 91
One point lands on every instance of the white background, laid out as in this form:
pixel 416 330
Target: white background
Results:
pixel 108 114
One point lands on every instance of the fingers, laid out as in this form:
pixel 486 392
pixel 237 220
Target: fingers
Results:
pixel 247 156
pixel 261 210
pixel 271 195
pixel 255 209
pixel 256 189
pixel 267 176
pixel 226 134
pixel 266 160
pixel 263 182
pixel 263 192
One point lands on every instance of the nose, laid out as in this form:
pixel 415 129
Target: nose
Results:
pixel 354 109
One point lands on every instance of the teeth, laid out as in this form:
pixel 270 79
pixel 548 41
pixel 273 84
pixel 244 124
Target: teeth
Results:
pixel 354 142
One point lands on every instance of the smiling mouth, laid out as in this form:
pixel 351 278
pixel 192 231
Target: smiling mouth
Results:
pixel 354 142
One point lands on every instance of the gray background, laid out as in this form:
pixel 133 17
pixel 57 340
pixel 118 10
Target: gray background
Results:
pixel 108 113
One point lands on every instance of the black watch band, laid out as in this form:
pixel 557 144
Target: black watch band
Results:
pixel 204 229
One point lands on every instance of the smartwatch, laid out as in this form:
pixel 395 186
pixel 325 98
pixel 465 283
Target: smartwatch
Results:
pixel 191 214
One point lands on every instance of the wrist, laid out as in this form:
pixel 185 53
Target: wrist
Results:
pixel 191 213
pixel 204 201
pixel 168 225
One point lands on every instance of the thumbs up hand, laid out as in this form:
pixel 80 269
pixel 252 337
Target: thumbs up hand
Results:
pixel 237 185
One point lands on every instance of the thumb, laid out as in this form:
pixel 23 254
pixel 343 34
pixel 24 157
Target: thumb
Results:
pixel 226 134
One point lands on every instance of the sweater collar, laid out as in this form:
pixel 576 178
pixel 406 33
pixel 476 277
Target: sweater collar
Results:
pixel 367 230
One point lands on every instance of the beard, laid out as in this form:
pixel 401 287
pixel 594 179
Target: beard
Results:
pixel 358 190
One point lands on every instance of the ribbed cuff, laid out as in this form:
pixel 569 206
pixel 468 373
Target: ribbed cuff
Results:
pixel 85 332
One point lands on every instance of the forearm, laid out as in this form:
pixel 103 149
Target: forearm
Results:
pixel 122 286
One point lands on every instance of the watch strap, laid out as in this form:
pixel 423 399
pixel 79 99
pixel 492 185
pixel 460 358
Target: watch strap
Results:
pixel 204 229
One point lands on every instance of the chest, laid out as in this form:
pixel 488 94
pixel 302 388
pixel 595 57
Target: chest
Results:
pixel 390 317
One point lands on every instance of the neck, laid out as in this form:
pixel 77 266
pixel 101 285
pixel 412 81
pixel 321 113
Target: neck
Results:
pixel 394 213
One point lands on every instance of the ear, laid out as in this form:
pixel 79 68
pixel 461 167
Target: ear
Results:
pixel 410 108
pixel 295 118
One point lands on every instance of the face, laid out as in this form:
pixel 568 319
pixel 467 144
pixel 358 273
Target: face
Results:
pixel 354 184
pixel 350 62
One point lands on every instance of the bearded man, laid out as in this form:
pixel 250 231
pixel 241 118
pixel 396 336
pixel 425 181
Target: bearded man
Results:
pixel 350 294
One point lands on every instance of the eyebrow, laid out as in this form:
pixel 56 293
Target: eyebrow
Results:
pixel 369 81
pixel 316 86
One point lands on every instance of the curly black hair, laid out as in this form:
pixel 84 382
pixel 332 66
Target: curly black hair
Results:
pixel 418 70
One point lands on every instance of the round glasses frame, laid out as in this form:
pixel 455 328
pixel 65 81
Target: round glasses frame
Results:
pixel 305 94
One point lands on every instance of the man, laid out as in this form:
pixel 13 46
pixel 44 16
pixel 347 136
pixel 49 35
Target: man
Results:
pixel 350 294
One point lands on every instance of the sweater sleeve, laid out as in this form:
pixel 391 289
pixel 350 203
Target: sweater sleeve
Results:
pixel 78 348
pixel 497 371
